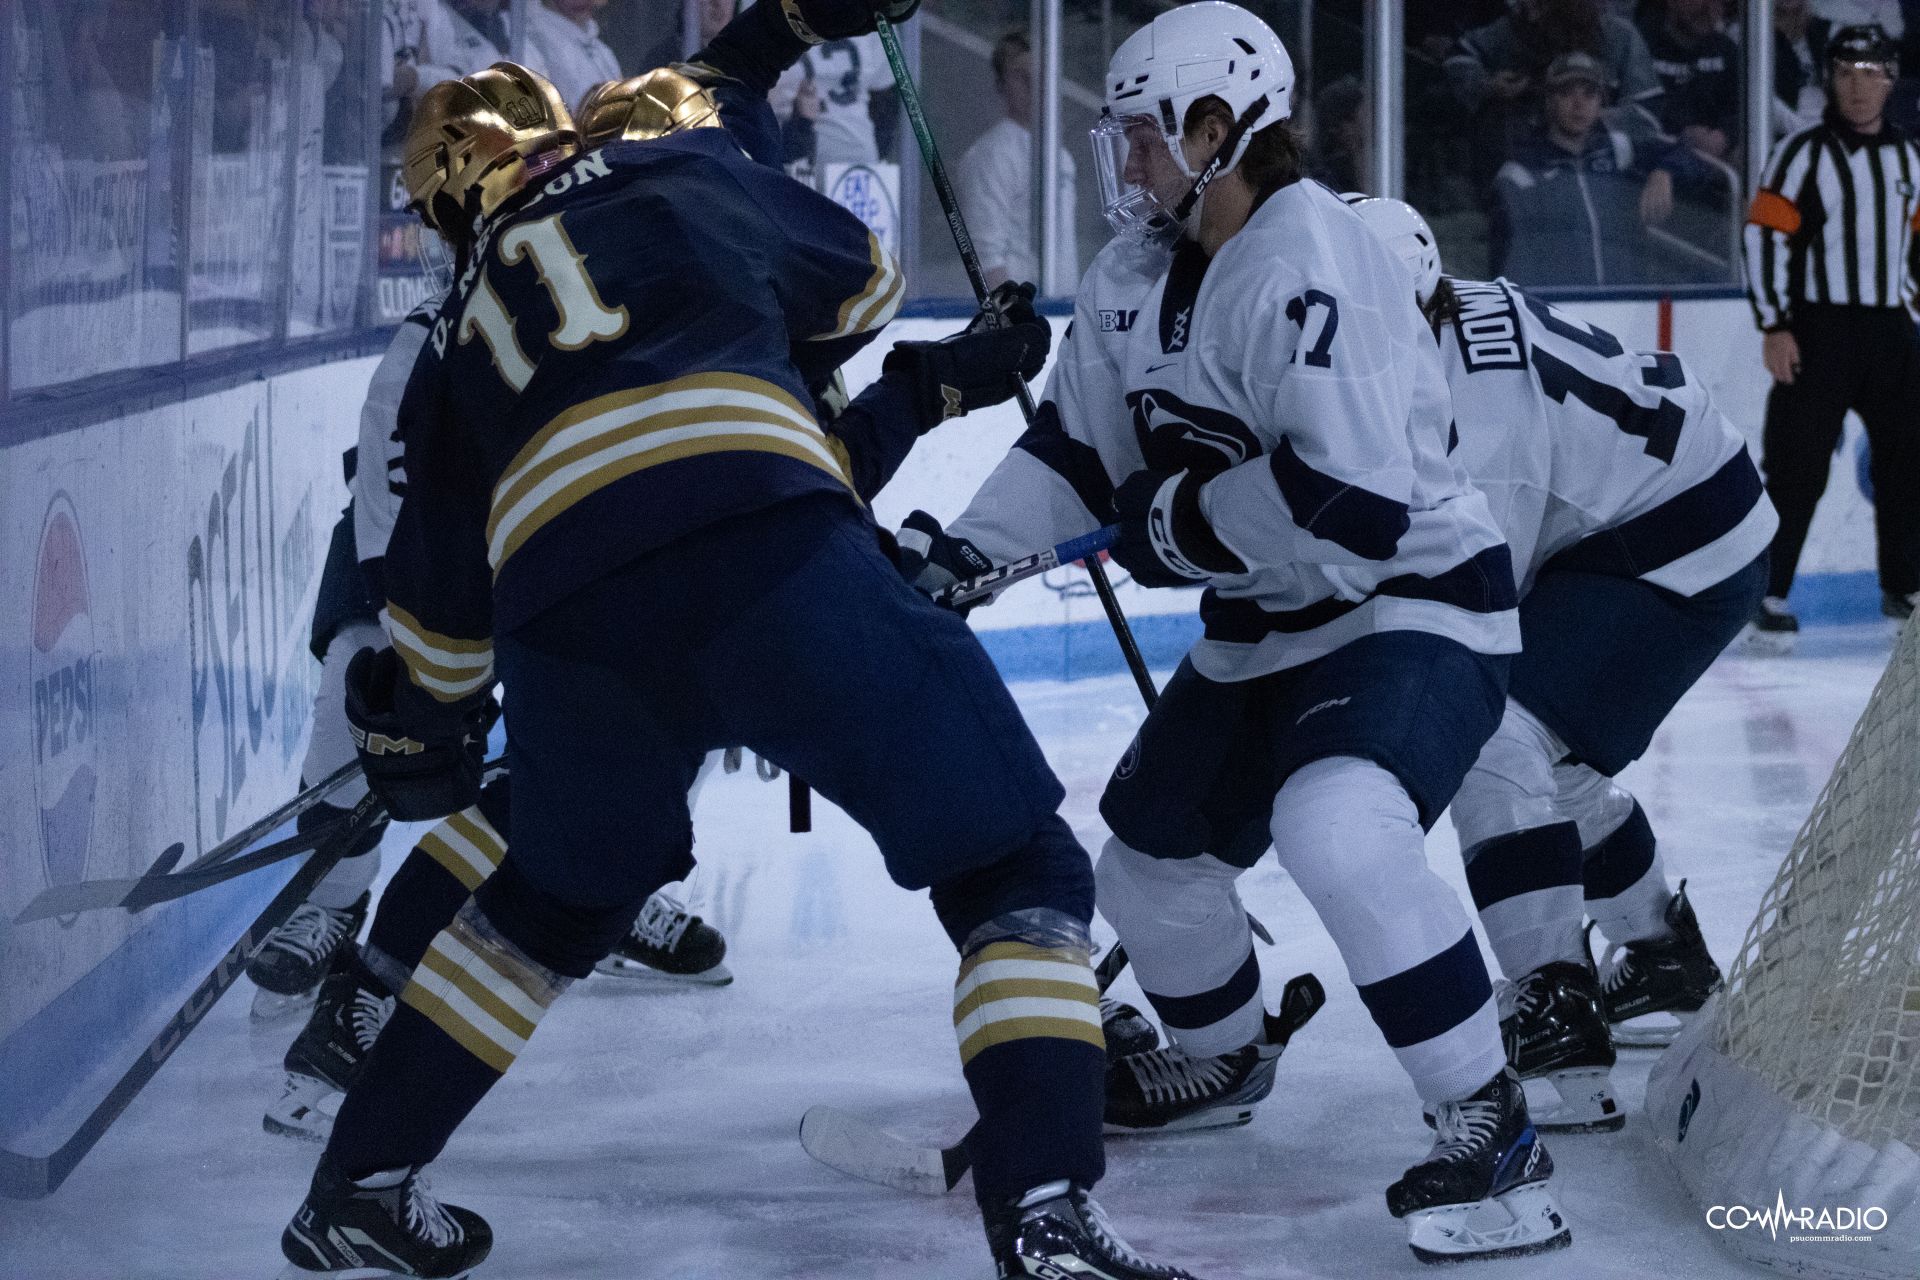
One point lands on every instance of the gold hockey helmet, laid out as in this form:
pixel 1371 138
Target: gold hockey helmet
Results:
pixel 647 106
pixel 477 140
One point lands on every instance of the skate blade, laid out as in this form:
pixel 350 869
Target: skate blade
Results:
pixel 1199 1121
pixel 1649 1030
pixel 270 1007
pixel 294 1271
pixel 1523 1221
pixel 1574 1101
pixel 300 1112
pixel 633 970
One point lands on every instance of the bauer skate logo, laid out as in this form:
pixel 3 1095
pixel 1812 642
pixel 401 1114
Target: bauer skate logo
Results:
pixel 62 665
pixel 1840 1224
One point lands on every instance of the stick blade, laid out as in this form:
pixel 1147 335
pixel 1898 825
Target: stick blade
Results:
pixel 26 1177
pixel 861 1149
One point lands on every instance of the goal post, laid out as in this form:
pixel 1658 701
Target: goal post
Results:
pixel 1790 1107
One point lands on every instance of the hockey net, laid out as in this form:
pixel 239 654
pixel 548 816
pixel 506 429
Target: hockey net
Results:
pixel 1798 1087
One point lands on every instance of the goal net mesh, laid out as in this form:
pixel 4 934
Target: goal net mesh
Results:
pixel 1823 1001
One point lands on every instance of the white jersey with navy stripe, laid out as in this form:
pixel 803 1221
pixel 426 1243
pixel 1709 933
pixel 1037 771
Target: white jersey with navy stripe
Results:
pixel 1595 457
pixel 379 473
pixel 1294 370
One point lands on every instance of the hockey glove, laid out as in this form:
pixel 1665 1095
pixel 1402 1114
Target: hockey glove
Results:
pixel 974 368
pixel 1164 539
pixel 422 766
pixel 818 21
pixel 931 559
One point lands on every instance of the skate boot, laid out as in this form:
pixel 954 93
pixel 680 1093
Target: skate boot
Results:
pixel 290 964
pixel 667 942
pixel 1127 1030
pixel 325 1057
pixel 1650 987
pixel 384 1225
pixel 1056 1231
pixel 1555 1030
pixel 1773 631
pixel 1482 1191
pixel 1166 1091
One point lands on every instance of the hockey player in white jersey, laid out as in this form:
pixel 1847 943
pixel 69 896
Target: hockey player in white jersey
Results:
pixel 1249 391
pixel 1639 527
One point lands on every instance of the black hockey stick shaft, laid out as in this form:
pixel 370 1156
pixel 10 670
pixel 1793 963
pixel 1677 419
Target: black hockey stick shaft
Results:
pixel 33 1177
pixel 970 260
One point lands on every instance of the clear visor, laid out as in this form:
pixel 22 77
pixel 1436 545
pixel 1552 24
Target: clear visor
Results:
pixel 1141 182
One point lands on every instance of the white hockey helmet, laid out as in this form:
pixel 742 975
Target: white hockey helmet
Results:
pixel 1207 48
pixel 1402 229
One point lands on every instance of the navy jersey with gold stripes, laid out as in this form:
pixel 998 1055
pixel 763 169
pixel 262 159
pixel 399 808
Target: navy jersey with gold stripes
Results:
pixel 630 356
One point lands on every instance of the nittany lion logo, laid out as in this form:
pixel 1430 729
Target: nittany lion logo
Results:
pixel 1176 436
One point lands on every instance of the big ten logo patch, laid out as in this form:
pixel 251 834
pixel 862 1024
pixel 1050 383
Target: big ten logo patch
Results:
pixel 64 666
pixel 247 580
pixel 1118 321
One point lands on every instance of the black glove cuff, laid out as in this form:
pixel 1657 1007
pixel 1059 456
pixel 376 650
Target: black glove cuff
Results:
pixel 1194 535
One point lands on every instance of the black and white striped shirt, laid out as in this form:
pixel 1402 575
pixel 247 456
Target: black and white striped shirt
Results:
pixel 1834 222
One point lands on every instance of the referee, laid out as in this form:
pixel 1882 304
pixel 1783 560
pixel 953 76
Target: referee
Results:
pixel 1832 263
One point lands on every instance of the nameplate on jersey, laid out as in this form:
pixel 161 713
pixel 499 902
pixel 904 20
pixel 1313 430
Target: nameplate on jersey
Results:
pixel 1488 328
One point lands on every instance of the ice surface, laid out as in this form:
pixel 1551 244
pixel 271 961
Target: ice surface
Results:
pixel 650 1134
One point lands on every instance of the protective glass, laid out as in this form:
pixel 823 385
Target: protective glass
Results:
pixel 1130 157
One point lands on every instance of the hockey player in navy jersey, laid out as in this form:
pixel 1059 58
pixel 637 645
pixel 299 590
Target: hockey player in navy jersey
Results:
pixel 1640 527
pixel 622 505
pixel 1249 392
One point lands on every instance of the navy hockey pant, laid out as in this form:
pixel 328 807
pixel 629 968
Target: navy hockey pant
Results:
pixel 787 631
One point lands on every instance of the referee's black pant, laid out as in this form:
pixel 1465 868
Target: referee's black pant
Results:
pixel 1866 359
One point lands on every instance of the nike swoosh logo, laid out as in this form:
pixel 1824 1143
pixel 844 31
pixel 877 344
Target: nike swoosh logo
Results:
pixel 1167 364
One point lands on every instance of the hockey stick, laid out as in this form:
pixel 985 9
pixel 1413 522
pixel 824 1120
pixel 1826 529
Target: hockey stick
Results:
pixel 1087 547
pixel 34 1177
pixel 970 259
pixel 862 1149
pixel 60 900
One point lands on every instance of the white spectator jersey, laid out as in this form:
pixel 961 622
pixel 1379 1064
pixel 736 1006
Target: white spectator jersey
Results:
pixel 379 475
pixel 846 74
pixel 1593 457
pixel 1295 371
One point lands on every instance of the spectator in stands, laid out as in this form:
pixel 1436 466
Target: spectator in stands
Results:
pixel 1573 200
pixel 464 36
pixel 1799 66
pixel 564 45
pixel 674 46
pixel 996 178
pixel 858 106
pixel 1699 68
pixel 1497 71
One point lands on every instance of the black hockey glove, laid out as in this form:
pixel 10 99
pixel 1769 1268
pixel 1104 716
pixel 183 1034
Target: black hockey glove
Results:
pixel 931 559
pixel 974 368
pixel 422 766
pixel 1164 540
pixel 818 21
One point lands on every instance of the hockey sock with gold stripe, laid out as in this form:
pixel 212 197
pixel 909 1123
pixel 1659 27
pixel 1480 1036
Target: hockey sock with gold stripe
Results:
pixel 435 880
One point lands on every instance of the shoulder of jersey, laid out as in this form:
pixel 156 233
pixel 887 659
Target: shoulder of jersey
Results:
pixel 427 311
pixel 1123 264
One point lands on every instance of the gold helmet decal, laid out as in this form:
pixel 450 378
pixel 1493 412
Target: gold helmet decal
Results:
pixel 644 107
pixel 477 140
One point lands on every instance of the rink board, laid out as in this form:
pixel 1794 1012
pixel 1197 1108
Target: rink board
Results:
pixel 156 682
pixel 155 672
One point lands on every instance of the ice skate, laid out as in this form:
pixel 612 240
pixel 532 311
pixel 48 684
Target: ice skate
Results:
pixel 1650 987
pixel 1555 1031
pixel 1057 1231
pixel 1127 1030
pixel 1482 1190
pixel 669 943
pixel 384 1225
pixel 1166 1091
pixel 290 964
pixel 1773 632
pixel 326 1056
